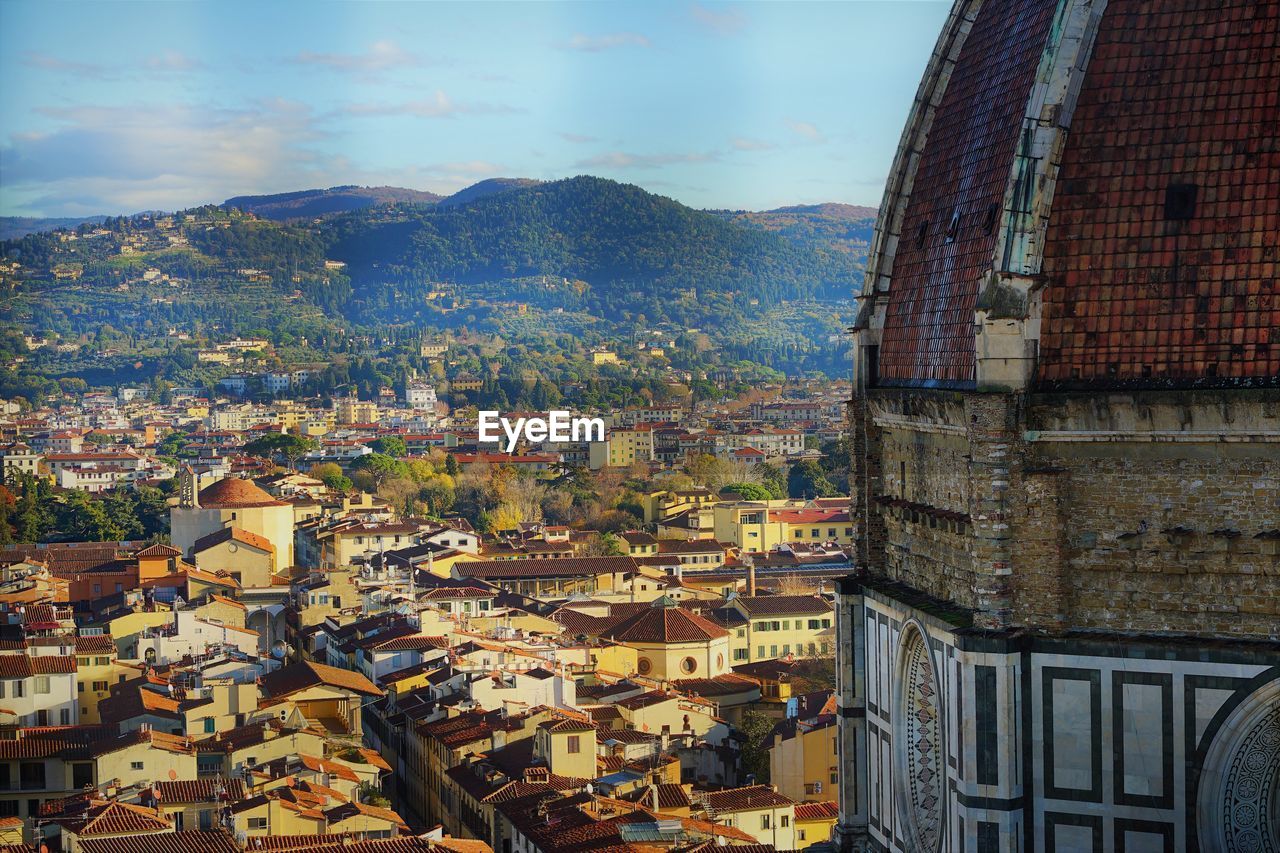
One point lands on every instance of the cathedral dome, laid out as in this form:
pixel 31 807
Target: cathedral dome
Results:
pixel 1086 195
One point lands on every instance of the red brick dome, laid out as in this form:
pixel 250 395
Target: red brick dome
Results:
pixel 234 492
pixel 1105 185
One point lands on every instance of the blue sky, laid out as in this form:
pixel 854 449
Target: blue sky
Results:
pixel 119 107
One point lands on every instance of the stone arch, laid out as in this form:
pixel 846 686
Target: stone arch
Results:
pixel 1238 805
pixel 918 749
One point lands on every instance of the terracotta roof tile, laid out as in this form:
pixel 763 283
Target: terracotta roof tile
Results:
pixel 1179 94
pixel 965 165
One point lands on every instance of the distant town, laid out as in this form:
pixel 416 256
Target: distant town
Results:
pixel 242 610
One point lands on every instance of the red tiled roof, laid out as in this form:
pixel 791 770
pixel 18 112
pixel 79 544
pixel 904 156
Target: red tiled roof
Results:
pixel 745 799
pixel 963 171
pixel 100 644
pixel 238 534
pixel 299 676
pixel 168 842
pixel 199 790
pixel 235 492
pixel 159 550
pixel 1175 93
pixel 25 666
pixel 817 811
pixel 116 818
pixel 664 625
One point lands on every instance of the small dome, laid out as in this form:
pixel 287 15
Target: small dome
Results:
pixel 233 492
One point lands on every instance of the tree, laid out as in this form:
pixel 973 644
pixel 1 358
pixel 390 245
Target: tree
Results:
pixel 380 468
pixel 291 447
pixel 331 475
pixel 710 471
pixel 756 728
pixel 807 480
pixel 390 445
pixel 451 466
pixel 749 491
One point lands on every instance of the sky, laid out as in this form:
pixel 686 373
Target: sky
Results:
pixel 109 108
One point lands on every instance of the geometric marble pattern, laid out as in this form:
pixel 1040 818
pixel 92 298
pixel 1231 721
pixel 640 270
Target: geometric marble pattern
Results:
pixel 922 728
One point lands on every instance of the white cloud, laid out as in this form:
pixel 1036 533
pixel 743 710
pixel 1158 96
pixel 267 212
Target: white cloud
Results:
pixel 806 129
pixel 439 105
pixel 381 56
pixel 170 61
pixel 743 143
pixel 608 41
pixel 124 159
pixel 724 23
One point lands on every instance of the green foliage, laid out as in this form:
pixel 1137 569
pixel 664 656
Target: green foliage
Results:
pixel 391 445
pixel 380 468
pixel 749 491
pixel 291 447
pixel 756 728
pixel 41 512
pixel 807 480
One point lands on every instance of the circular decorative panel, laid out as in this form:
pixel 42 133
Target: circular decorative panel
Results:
pixel 918 743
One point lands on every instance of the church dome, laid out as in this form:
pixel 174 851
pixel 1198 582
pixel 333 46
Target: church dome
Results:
pixel 233 492
pixel 1092 189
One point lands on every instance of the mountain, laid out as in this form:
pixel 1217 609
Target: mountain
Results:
pixel 829 210
pixel 632 249
pixel 491 186
pixel 12 227
pixel 844 228
pixel 309 204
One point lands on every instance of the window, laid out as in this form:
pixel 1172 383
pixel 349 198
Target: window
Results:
pixel 31 774
pixel 786 648
pixel 42 684
pixel 831 533
pixel 688 665
pixel 786 624
pixel 257 823
pixel 209 725
pixel 101 661
pixel 64 717
pixel 136 765
pixel 826 623
pixel 81 775
pixel 813 624
pixel 800 836
pixel 100 686
pixel 740 654
pixel 815 533
pixel 760 651
pixel 575 744
pixel 773 651
pixel 784 821
pixel 2 685
pixel 643 666
pixel 80 687
pixel 742 632
pixel 765 822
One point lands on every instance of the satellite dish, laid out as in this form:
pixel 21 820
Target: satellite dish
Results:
pixel 173 775
pixel 590 789
pixel 279 650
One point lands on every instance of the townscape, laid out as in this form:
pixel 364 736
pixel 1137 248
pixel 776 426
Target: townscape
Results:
pixel 314 643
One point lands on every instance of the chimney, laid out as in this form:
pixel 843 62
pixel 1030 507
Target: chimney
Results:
pixel 751 574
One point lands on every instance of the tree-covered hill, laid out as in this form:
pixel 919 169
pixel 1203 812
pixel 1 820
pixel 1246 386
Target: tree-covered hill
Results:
pixel 308 204
pixel 630 247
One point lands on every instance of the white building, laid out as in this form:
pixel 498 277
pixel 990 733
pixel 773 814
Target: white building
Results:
pixel 420 395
